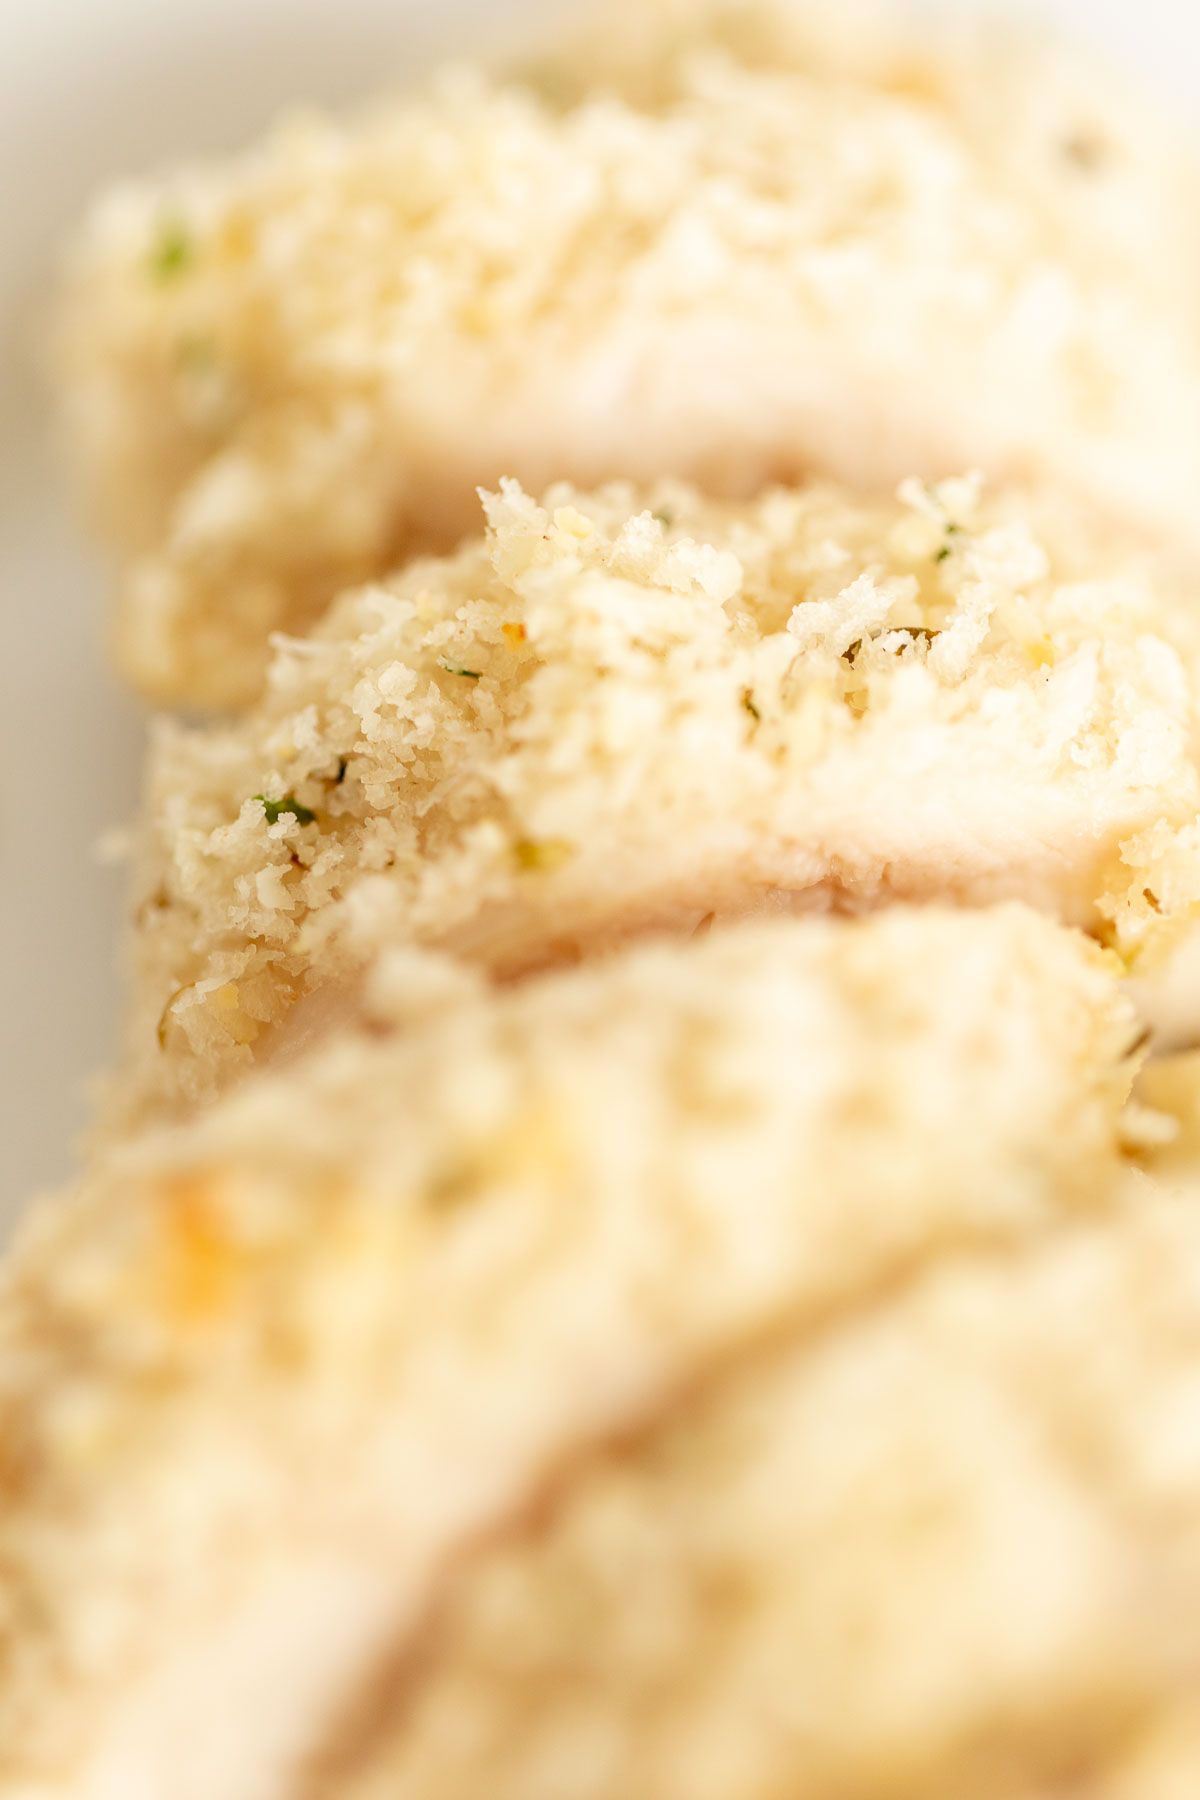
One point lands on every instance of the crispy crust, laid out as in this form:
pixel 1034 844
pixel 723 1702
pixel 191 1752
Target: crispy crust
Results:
pixel 592 723
pixel 789 248
pixel 949 1548
pixel 265 1374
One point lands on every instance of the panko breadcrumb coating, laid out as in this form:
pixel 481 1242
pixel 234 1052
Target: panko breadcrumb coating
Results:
pixel 266 1377
pixel 602 720
pixel 772 248
pixel 949 1548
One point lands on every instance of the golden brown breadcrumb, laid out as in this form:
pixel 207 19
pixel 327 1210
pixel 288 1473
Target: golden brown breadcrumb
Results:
pixel 625 711
pixel 261 1377
pixel 772 244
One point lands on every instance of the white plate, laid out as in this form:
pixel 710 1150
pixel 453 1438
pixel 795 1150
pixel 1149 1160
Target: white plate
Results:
pixel 90 89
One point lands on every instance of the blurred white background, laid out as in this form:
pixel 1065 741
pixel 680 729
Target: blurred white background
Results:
pixel 90 89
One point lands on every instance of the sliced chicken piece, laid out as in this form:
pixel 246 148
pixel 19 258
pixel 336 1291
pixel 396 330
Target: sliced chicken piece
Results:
pixel 799 249
pixel 626 713
pixel 949 1547
pixel 266 1376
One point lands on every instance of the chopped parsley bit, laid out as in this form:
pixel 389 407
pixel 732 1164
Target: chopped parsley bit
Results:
pixel 275 809
pixel 1139 1043
pixel 665 517
pixel 928 632
pixel 541 855
pixel 952 530
pixel 172 250
pixel 452 669
pixel 748 703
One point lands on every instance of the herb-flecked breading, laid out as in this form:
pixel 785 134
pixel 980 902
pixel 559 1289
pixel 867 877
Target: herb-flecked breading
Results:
pixel 770 701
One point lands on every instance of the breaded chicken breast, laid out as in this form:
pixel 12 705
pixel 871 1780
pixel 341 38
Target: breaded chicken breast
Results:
pixel 949 1546
pixel 749 247
pixel 269 1381
pixel 624 713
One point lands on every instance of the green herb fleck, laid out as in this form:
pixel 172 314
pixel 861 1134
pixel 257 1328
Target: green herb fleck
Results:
pixel 665 517
pixel 748 703
pixel 928 632
pixel 952 530
pixel 172 250
pixel 275 809
pixel 541 855
pixel 452 669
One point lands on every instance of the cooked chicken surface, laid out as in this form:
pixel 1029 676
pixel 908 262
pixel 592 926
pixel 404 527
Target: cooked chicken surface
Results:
pixel 267 1381
pixel 644 1243
pixel 949 1547
pixel 626 712
pixel 746 245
